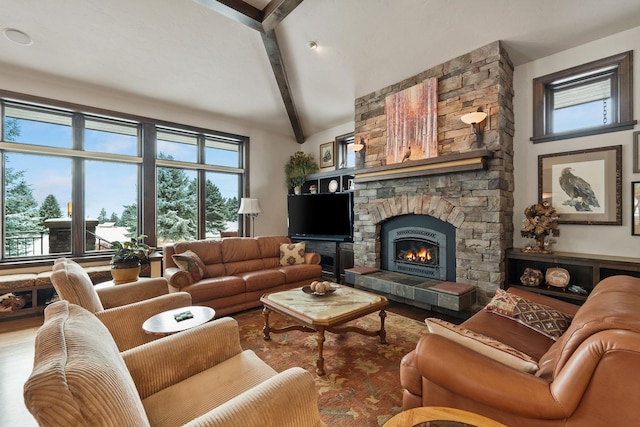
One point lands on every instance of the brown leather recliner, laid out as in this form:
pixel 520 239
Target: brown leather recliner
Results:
pixel 588 377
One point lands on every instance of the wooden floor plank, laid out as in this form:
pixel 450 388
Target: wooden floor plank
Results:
pixel 17 341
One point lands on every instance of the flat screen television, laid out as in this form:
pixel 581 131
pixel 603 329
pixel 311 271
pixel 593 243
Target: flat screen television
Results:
pixel 326 216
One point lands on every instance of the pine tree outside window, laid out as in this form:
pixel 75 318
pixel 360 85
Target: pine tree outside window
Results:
pixel 83 177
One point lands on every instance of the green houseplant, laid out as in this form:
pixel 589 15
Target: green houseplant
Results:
pixel 126 259
pixel 298 166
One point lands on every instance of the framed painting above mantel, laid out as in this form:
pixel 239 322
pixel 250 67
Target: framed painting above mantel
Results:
pixel 585 186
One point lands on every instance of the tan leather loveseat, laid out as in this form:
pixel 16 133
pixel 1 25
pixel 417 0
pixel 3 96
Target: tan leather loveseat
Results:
pixel 588 377
pixel 238 271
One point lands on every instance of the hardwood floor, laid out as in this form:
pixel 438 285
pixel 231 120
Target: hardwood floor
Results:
pixel 16 360
pixel 17 340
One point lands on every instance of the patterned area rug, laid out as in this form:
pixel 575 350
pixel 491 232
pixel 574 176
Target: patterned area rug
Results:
pixel 362 382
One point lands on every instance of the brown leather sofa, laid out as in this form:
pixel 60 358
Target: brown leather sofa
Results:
pixel 588 377
pixel 239 270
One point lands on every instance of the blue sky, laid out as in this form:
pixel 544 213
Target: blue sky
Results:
pixel 108 185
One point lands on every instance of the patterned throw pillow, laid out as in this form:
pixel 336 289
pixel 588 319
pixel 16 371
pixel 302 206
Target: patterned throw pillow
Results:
pixel 539 317
pixel 191 262
pixel 483 344
pixel 292 253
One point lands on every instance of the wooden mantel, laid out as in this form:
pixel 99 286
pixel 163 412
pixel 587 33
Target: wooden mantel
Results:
pixel 449 163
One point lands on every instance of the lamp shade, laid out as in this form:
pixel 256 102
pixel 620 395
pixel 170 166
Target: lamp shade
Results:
pixel 355 146
pixel 249 206
pixel 475 117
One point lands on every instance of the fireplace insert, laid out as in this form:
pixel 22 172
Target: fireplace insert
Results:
pixel 419 245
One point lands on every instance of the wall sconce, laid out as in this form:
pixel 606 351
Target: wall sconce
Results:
pixel 475 119
pixel 359 148
pixel 252 208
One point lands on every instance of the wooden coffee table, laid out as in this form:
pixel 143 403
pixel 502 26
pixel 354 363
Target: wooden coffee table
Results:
pixel 165 323
pixel 318 314
pixel 450 416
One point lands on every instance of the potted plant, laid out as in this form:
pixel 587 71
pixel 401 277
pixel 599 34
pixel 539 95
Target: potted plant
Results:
pixel 125 262
pixel 299 165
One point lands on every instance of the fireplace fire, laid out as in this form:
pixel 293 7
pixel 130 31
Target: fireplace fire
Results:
pixel 416 252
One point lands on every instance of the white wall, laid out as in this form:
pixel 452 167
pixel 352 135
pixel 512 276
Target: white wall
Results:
pixel 268 151
pixel 589 239
pixel 313 142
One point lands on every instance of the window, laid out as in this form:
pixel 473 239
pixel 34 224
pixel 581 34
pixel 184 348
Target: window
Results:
pixel 347 158
pixel 73 181
pixel 197 195
pixel 585 100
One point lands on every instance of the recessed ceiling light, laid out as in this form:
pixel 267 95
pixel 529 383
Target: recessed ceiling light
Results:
pixel 312 45
pixel 17 36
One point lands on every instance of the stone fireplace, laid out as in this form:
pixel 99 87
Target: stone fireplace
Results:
pixel 467 191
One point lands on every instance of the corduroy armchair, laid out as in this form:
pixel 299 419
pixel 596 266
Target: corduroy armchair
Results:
pixel 122 308
pixel 199 377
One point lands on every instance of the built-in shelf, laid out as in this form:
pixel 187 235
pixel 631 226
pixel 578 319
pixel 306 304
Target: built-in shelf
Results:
pixel 321 180
pixel 586 270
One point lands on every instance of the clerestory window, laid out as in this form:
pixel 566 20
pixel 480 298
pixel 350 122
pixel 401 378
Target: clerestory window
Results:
pixel 585 100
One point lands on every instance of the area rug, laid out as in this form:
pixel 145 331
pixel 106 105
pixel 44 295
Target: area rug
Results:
pixel 362 382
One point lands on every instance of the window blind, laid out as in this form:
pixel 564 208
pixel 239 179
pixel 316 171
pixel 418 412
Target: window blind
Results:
pixel 582 94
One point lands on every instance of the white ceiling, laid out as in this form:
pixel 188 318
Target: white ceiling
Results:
pixel 179 52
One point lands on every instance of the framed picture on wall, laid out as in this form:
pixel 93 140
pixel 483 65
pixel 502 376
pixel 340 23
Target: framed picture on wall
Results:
pixel 636 152
pixel 585 187
pixel 327 155
pixel 635 208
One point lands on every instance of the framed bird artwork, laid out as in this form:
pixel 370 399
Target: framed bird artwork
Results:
pixel 585 187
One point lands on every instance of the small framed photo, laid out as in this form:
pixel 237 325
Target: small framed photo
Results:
pixel 327 155
pixel 635 208
pixel 584 187
pixel 636 152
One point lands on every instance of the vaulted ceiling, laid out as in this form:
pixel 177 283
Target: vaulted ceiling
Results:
pixel 249 61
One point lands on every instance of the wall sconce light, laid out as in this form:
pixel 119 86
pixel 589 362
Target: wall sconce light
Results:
pixel 359 148
pixel 252 208
pixel 475 119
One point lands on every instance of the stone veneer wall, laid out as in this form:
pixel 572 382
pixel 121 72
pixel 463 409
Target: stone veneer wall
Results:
pixel 478 203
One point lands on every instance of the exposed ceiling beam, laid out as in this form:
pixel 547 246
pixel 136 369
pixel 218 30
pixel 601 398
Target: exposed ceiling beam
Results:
pixel 275 58
pixel 237 10
pixel 276 11
pixel 265 22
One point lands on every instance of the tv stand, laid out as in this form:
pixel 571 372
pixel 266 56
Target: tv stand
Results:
pixel 335 255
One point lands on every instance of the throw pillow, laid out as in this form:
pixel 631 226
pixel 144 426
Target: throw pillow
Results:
pixel 292 253
pixel 483 344
pixel 191 262
pixel 539 317
pixel 544 319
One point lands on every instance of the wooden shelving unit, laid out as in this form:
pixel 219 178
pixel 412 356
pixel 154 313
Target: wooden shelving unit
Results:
pixel 586 270
pixel 322 180
pixel 40 295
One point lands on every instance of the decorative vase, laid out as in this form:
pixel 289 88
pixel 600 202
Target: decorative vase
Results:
pixel 297 189
pixel 125 273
